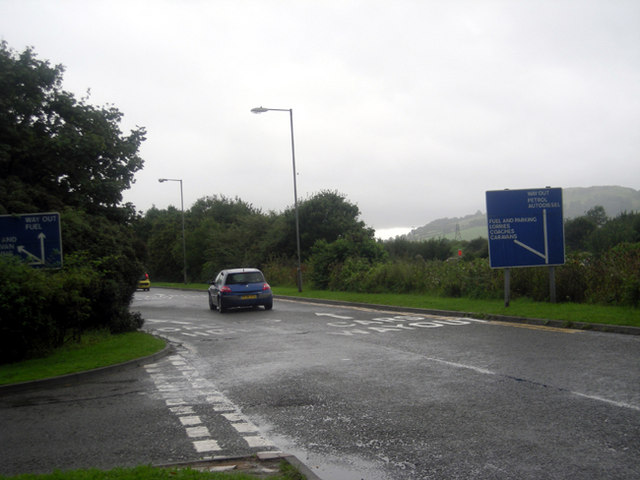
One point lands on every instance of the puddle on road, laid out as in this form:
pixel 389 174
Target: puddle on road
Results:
pixel 330 467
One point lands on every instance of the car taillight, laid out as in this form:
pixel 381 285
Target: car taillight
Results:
pixel 225 289
pixel 266 287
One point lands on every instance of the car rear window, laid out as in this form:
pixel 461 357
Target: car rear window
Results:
pixel 247 277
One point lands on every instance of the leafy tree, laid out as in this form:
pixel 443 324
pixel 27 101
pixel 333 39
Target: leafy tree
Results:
pixel 328 261
pixel 597 215
pixel 624 228
pixel 476 248
pixel 324 216
pixel 577 232
pixel 58 153
pixel 56 150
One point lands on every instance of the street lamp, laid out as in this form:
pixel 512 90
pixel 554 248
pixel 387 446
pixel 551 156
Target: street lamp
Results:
pixel 295 189
pixel 184 245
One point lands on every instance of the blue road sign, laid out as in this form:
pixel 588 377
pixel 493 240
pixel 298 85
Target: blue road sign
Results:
pixel 525 227
pixel 35 237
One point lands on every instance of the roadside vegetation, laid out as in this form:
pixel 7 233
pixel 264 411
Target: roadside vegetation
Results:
pixel 602 255
pixel 92 350
pixel 61 154
pixel 287 472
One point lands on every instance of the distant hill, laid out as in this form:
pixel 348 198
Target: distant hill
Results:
pixel 577 201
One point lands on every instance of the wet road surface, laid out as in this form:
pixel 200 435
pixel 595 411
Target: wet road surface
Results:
pixel 359 393
pixel 352 392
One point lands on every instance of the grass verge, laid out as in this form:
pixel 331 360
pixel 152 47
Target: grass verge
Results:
pixel 94 350
pixel 521 307
pixel 287 472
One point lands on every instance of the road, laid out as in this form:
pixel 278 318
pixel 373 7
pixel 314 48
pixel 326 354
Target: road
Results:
pixel 358 393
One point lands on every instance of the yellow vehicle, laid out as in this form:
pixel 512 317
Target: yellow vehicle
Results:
pixel 144 283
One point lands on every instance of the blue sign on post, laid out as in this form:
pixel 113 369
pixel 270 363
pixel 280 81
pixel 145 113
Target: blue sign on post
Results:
pixel 35 237
pixel 525 227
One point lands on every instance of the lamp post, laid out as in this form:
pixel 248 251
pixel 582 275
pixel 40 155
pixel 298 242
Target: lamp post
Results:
pixel 184 245
pixel 295 189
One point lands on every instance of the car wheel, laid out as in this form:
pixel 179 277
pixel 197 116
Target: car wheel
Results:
pixel 268 306
pixel 220 307
pixel 211 304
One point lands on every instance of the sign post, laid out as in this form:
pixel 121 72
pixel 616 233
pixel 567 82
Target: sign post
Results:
pixel 34 237
pixel 526 229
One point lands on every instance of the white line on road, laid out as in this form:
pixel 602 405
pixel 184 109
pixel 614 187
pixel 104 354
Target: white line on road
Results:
pixel 180 396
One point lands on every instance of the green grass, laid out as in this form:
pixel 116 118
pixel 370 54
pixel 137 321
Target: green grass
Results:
pixel 521 307
pixel 567 312
pixel 287 472
pixel 95 350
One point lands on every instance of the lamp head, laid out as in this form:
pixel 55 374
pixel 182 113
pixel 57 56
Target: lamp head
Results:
pixel 259 110
pixel 162 180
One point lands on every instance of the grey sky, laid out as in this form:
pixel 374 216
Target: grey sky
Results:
pixel 412 109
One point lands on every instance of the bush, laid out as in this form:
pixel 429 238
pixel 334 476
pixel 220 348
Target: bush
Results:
pixel 26 320
pixel 281 273
pixel 610 279
pixel 42 309
pixel 572 278
pixel 615 277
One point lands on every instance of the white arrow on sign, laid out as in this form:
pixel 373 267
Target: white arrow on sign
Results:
pixel 544 255
pixel 36 260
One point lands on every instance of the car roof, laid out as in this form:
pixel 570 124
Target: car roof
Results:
pixel 240 270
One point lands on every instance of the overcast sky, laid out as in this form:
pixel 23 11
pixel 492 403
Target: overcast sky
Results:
pixel 412 109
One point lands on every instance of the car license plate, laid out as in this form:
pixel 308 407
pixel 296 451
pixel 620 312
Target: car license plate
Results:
pixel 248 297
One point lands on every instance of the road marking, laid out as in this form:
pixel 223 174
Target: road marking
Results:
pixel 349 326
pixel 244 427
pixel 606 400
pixel 204 446
pixel 333 315
pixel 183 388
pixel 198 432
pixel 194 420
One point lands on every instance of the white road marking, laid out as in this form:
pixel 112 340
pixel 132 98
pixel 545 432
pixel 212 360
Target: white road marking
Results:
pixel 258 442
pixel 182 410
pixel 333 315
pixel 203 446
pixel 606 400
pixel 179 398
pixel 244 427
pixel 194 420
pixel 198 432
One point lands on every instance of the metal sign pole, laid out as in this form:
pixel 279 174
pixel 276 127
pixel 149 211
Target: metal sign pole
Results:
pixel 507 286
pixel 552 284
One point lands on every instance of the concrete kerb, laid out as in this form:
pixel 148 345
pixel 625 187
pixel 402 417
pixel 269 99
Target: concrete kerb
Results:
pixel 258 464
pixel 597 327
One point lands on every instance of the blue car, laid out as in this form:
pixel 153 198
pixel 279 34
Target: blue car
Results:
pixel 240 287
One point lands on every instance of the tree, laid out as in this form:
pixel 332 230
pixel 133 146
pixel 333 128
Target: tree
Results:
pixel 329 258
pixel 324 216
pixel 597 215
pixel 577 232
pixel 62 154
pixel 57 151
